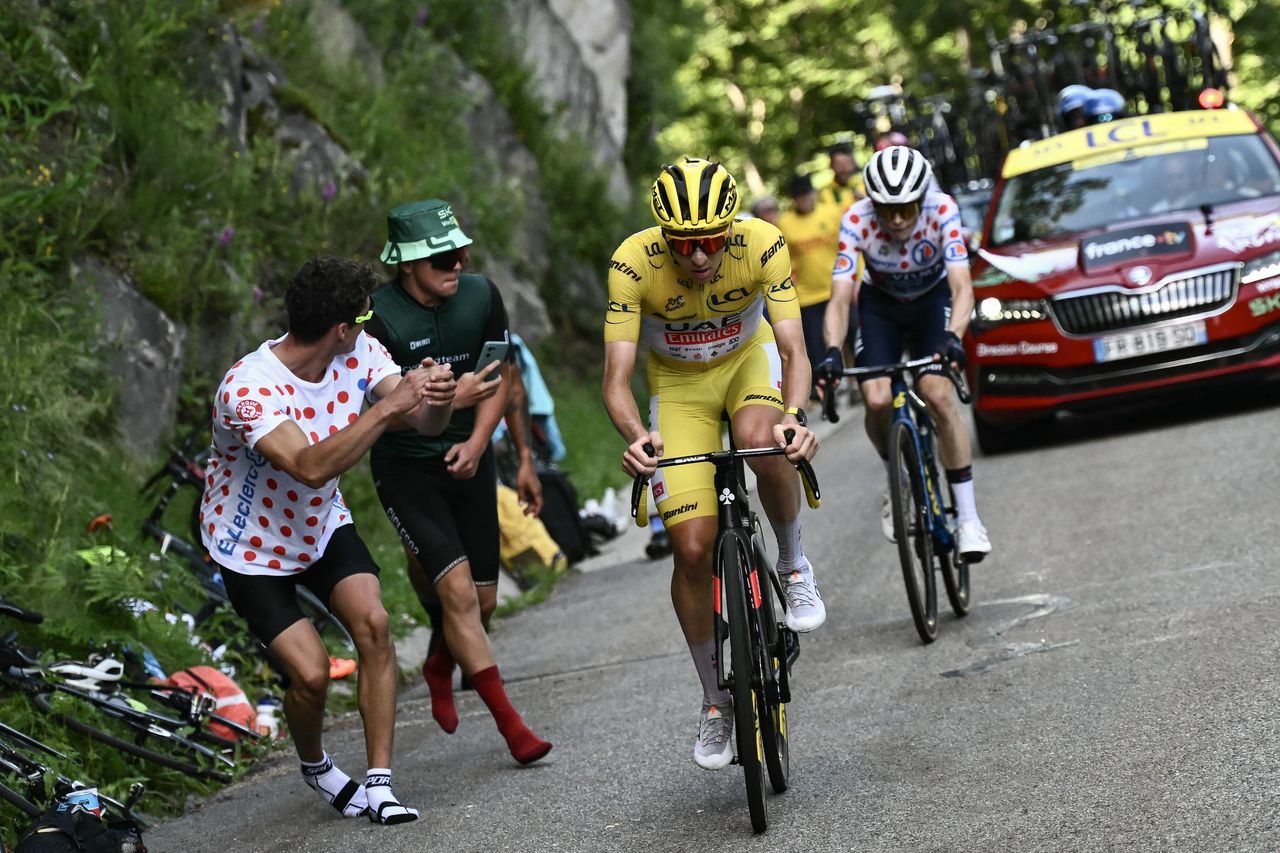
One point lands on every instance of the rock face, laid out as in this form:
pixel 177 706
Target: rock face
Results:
pixel 578 53
pixel 146 350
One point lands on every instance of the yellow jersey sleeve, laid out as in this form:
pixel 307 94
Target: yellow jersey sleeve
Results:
pixel 626 293
pixel 775 274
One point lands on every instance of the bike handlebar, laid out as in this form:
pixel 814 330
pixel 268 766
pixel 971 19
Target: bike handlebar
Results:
pixel 8 608
pixel 640 506
pixel 915 367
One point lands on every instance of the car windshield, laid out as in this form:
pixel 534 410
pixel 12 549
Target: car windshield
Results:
pixel 1062 200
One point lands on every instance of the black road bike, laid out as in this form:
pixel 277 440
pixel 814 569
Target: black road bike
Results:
pixel 750 613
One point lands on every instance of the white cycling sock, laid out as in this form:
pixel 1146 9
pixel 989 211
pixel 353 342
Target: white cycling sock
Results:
pixel 383 805
pixel 966 507
pixel 704 660
pixel 337 788
pixel 788 535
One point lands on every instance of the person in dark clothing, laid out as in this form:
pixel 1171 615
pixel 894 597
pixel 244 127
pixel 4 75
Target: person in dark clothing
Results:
pixel 440 493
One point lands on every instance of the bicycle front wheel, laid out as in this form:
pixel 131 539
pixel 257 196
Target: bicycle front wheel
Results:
pixel 734 564
pixel 911 529
pixel 773 694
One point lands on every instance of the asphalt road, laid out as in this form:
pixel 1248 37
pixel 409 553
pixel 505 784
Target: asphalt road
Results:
pixel 1113 688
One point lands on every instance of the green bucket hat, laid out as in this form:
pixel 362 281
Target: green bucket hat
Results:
pixel 420 229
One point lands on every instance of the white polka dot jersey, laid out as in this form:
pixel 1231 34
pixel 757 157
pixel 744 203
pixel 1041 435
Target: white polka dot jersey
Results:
pixel 908 269
pixel 256 519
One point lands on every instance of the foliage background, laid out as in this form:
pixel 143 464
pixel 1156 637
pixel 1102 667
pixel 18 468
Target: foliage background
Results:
pixel 110 144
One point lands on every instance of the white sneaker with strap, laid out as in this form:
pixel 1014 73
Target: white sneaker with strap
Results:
pixel 973 541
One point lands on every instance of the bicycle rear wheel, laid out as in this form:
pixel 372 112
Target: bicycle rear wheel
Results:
pixel 911 529
pixel 951 565
pixel 773 694
pixel 746 713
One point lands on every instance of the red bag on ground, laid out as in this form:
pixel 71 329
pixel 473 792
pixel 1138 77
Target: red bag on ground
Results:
pixel 229 699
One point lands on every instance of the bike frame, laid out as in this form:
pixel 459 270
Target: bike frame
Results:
pixel 911 409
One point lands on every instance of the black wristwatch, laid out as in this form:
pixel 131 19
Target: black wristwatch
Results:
pixel 799 415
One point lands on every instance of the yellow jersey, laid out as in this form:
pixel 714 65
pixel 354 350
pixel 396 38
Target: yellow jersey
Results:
pixel 690 324
pixel 834 195
pixel 813 239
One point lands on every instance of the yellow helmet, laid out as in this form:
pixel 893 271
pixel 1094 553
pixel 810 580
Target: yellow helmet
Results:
pixel 695 197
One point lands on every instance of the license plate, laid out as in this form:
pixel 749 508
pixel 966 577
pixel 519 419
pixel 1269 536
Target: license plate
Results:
pixel 1148 341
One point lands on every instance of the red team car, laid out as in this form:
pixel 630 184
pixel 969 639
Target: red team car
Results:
pixel 1125 258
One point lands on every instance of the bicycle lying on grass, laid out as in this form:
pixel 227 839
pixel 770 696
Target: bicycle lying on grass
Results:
pixel 93 699
pixel 23 780
pixel 751 616
pixel 924 514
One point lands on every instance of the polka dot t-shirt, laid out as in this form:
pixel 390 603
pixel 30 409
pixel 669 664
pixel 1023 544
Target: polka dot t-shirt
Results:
pixel 256 519
pixel 904 270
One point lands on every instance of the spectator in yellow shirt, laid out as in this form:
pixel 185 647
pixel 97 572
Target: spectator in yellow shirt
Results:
pixel 812 231
pixel 846 187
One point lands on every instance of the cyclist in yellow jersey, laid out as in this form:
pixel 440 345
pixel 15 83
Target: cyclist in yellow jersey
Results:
pixel 693 291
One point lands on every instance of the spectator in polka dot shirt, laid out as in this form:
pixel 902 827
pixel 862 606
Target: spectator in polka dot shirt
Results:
pixel 288 419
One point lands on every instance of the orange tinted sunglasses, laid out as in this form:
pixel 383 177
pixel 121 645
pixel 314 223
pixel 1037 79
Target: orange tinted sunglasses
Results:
pixel 684 246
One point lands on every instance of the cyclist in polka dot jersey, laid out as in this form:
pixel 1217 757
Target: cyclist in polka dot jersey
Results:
pixel 914 293
pixel 288 419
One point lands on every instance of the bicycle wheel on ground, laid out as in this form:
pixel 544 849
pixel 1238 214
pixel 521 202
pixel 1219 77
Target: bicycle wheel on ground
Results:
pixel 734 561
pixel 190 763
pixel 952 566
pixel 772 697
pixel 911 529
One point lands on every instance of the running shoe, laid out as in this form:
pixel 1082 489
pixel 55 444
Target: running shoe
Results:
pixel 713 750
pixel 805 610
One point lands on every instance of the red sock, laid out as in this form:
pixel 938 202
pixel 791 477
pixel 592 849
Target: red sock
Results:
pixel 437 670
pixel 525 746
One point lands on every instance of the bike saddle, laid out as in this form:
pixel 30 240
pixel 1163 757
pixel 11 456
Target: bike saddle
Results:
pixel 90 675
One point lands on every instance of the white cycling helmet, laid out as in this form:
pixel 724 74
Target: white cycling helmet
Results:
pixel 897 175
pixel 89 676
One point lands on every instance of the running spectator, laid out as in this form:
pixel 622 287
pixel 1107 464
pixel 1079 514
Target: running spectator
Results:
pixel 441 493
pixel 289 418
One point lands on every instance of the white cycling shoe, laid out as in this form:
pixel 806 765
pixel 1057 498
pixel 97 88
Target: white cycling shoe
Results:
pixel 886 518
pixel 713 749
pixel 805 610
pixel 973 542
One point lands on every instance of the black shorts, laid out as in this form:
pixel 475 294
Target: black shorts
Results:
pixel 442 521
pixel 269 603
pixel 886 325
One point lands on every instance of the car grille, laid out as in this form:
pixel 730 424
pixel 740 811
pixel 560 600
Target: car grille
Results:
pixel 1120 308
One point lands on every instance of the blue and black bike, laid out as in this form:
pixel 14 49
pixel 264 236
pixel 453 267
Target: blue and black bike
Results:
pixel 924 511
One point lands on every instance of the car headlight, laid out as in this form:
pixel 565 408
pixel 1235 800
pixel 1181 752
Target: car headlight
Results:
pixel 1264 266
pixel 994 312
